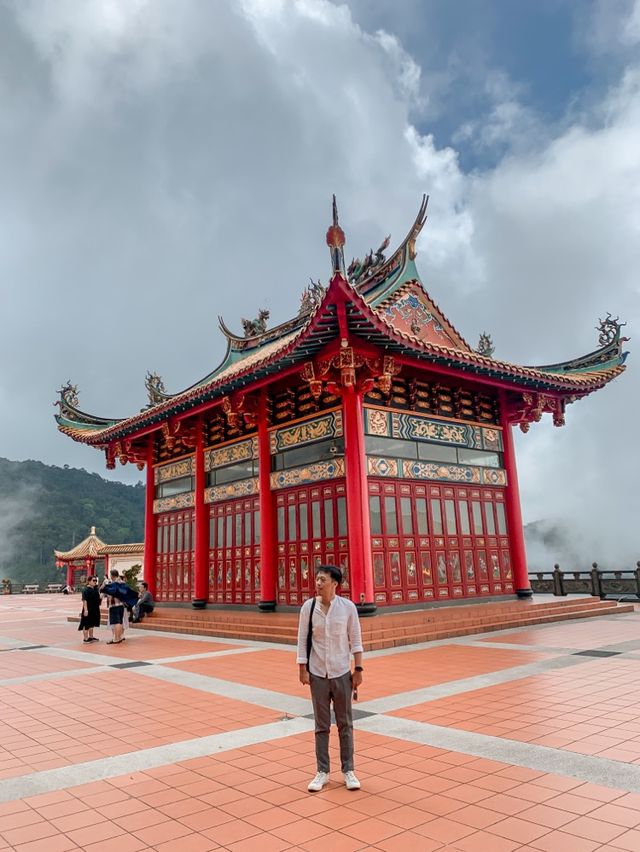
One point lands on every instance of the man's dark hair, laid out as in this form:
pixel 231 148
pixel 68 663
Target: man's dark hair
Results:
pixel 332 571
pixel 146 585
pixel 114 572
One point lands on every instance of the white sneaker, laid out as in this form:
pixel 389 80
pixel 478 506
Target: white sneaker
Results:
pixel 318 782
pixel 351 781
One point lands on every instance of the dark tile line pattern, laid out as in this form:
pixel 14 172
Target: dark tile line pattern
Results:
pixel 356 713
pixel 596 652
pixel 132 665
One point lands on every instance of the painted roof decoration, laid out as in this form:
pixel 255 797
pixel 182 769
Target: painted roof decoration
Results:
pixel 383 303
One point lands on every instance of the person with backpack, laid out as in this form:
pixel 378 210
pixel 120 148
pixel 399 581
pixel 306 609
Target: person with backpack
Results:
pixel 328 634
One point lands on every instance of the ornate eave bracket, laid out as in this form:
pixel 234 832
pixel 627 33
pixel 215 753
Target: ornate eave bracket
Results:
pixel 348 369
pixel 533 406
pixel 240 410
pixel 125 452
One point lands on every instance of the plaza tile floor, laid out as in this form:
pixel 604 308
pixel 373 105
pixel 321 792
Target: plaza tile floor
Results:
pixel 522 740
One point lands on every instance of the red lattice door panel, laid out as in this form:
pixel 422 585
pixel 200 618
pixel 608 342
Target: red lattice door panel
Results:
pixel 234 551
pixel 175 556
pixel 311 530
pixel 437 542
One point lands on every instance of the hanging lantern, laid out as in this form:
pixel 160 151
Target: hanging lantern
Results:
pixel 59 564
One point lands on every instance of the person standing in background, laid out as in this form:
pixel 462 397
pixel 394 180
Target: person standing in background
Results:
pixel 90 615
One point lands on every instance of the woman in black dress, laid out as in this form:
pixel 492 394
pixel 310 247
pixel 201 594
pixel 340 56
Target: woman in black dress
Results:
pixel 90 616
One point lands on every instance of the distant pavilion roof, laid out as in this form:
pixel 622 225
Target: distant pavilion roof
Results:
pixel 89 548
pixel 375 292
pixel 94 548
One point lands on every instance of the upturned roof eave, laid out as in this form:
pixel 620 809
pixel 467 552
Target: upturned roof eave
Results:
pixel 468 363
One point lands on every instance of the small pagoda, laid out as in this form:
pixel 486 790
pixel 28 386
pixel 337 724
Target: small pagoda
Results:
pixel 80 561
pixel 365 432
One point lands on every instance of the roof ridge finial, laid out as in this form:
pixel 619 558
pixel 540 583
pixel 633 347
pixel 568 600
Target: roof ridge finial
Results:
pixel 336 241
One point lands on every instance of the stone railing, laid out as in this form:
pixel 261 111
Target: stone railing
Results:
pixel 599 582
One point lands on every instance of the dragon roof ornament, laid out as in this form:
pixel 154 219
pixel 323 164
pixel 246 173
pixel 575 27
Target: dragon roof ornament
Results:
pixel 609 330
pixel 257 326
pixel 311 297
pixel 359 269
pixel 364 275
pixel 485 345
pixel 156 390
pixel 69 400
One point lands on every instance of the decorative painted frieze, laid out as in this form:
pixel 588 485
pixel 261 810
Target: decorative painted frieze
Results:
pixel 412 427
pixel 175 470
pixel 309 473
pixel 448 472
pixel 243 488
pixel 493 476
pixel 169 504
pixel 238 452
pixel 327 426
pixel 379 466
pixel 453 473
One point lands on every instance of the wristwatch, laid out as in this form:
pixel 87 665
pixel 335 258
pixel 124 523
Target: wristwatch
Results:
pixel 358 669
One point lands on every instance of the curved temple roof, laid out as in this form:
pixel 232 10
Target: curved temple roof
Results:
pixel 387 306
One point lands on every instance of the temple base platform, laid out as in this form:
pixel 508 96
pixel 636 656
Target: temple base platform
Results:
pixel 385 629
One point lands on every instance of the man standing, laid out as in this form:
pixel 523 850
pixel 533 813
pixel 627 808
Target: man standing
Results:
pixel 115 609
pixel 328 634
pixel 144 605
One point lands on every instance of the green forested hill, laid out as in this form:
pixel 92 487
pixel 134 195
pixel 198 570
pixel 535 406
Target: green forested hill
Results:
pixel 44 507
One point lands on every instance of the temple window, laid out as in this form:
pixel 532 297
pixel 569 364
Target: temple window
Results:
pixel 477 518
pixel 436 516
pixel 374 515
pixel 479 457
pixel 307 454
pixel 405 511
pixel 450 516
pixel 232 472
pixel 421 516
pixel 502 521
pixel 391 520
pixel 175 486
pixel 463 510
pixel 488 515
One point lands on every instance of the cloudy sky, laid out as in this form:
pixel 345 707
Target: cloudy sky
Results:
pixel 166 161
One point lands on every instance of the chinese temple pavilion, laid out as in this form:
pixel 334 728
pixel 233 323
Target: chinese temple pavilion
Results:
pixel 365 432
pixel 80 561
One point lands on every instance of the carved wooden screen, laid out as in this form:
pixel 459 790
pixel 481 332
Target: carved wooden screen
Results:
pixel 437 542
pixel 175 556
pixel 234 551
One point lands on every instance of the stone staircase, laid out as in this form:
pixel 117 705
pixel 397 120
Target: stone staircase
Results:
pixel 386 629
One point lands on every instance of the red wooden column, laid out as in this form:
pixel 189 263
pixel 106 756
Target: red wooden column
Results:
pixel 359 526
pixel 514 511
pixel 150 526
pixel 69 574
pixel 268 564
pixel 201 558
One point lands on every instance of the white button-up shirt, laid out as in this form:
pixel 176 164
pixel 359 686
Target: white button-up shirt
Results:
pixel 335 637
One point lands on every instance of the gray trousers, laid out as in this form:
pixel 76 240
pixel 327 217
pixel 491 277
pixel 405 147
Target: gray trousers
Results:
pixel 324 690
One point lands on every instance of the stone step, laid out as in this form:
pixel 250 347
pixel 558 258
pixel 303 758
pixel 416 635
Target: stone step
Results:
pixel 392 638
